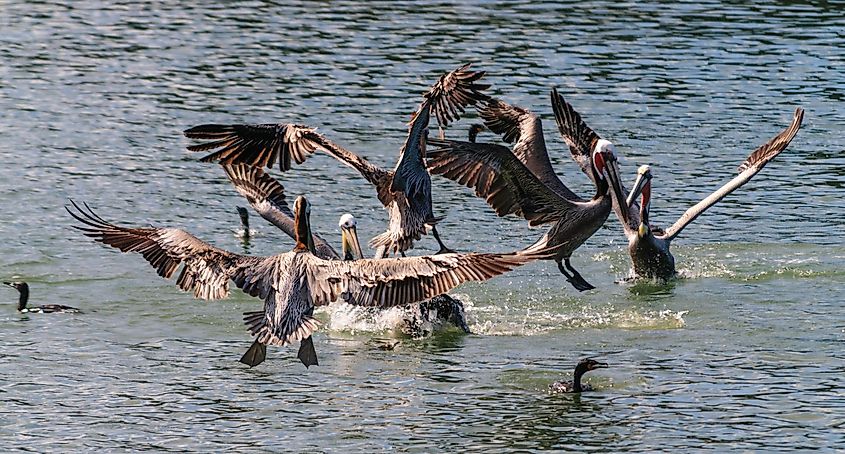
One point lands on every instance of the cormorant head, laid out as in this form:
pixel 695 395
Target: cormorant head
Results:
pixel 23 288
pixel 349 238
pixel 590 364
pixel 244 215
pixel 17 285
pixel 474 130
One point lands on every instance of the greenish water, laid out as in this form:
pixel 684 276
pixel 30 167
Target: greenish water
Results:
pixel 744 353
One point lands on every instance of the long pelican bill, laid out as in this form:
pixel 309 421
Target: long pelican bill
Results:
pixel 612 168
pixel 351 245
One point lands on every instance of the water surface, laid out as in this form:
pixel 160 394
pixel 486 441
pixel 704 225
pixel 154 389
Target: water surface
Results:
pixel 743 353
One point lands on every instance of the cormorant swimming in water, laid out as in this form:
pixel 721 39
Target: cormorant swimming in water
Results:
pixel 23 288
pixel 244 232
pixel 575 386
pixel 474 129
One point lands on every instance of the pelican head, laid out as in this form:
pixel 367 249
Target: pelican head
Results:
pixel 605 165
pixel 301 219
pixel 642 187
pixel 602 156
pixel 349 238
pixel 474 130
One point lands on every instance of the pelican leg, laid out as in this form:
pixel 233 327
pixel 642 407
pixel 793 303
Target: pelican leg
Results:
pixel 307 354
pixel 575 278
pixel 255 355
pixel 443 248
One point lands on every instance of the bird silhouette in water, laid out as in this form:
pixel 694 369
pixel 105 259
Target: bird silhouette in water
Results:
pixel 575 386
pixel 23 289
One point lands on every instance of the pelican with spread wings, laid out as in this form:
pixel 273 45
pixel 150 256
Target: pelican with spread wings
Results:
pixel 291 284
pixel 266 195
pixel 404 191
pixel 522 181
pixel 648 246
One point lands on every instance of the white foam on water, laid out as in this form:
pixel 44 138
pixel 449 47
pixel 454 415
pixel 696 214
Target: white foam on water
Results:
pixel 534 321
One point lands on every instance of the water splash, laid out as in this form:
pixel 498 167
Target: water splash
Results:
pixel 503 321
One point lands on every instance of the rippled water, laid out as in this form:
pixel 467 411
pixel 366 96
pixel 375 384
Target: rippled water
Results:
pixel 744 353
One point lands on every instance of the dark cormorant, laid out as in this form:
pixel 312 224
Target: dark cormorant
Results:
pixel 23 288
pixel 575 386
pixel 474 130
pixel 244 232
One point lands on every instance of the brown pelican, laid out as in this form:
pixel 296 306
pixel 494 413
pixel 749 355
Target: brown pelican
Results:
pixel 293 283
pixel 649 246
pixel 267 196
pixel 522 181
pixel 23 289
pixel 405 191
pixel 575 386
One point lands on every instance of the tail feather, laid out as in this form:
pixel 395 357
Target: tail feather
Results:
pixel 391 243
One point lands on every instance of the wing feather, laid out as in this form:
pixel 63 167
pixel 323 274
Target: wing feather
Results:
pixel 498 177
pixel 264 144
pixel 453 92
pixel 206 270
pixel 750 167
pixel 446 101
pixel 575 132
pixel 399 281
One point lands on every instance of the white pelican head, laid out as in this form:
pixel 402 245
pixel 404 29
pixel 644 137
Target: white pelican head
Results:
pixel 349 238
pixel 347 221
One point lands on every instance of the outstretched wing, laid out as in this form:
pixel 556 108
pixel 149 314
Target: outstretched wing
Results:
pixel 524 129
pixel 446 101
pixel 263 145
pixel 575 132
pixel 453 92
pixel 257 145
pixel 267 197
pixel 498 177
pixel 398 281
pixel 752 165
pixel 206 270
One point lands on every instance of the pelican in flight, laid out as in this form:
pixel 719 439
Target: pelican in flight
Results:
pixel 405 191
pixel 291 284
pixel 267 197
pixel 649 245
pixel 522 181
